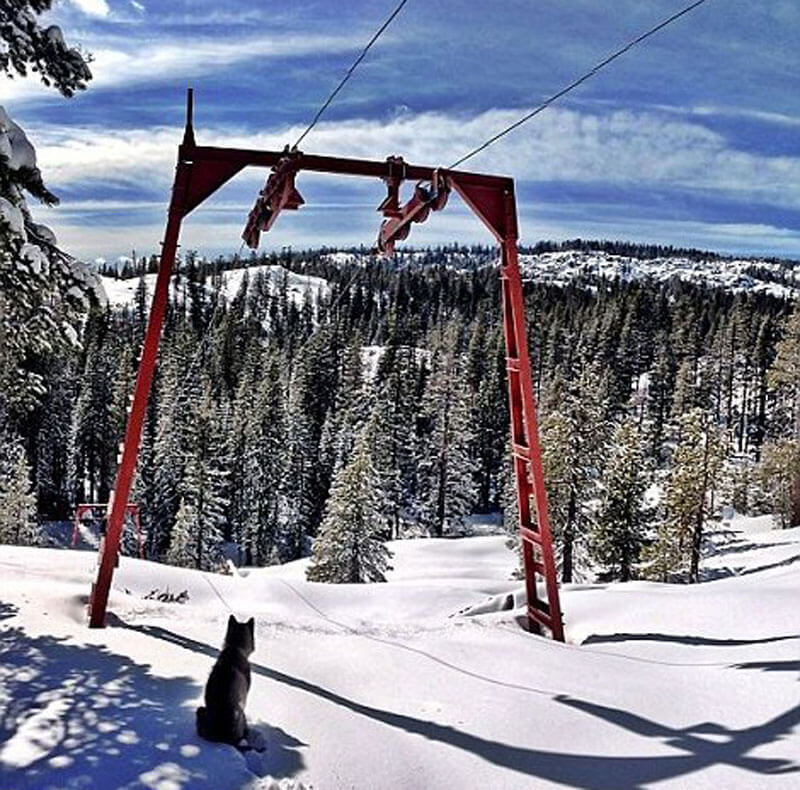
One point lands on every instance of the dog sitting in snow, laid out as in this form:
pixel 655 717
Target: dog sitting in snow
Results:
pixel 222 719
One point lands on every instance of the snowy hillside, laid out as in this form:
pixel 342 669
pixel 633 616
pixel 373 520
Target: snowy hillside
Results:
pixel 395 686
pixel 746 275
pixel 122 292
pixel 736 276
pixel 754 276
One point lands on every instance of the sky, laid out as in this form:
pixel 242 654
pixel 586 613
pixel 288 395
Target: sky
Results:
pixel 690 139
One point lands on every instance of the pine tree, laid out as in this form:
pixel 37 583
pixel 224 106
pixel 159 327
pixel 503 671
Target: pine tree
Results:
pixel 204 479
pixel 17 501
pixel 43 292
pixel 27 45
pixel 622 519
pixel 95 431
pixel 696 466
pixel 573 435
pixel 778 474
pixel 263 468
pixel 183 543
pixel 348 549
pixel 396 410
pixel 446 467
pixel 784 380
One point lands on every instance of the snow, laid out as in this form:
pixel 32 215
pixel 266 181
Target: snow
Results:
pixel 10 214
pixel 371 357
pixel 15 145
pixel 121 293
pixel 780 280
pixel 388 686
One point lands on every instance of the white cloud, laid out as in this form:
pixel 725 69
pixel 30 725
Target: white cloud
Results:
pixel 129 62
pixel 92 7
pixel 618 149
pixel 615 150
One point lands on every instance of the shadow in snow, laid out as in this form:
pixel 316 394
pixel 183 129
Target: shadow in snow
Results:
pixel 589 772
pixel 771 666
pixel 83 716
pixel 703 641
pixel 781 564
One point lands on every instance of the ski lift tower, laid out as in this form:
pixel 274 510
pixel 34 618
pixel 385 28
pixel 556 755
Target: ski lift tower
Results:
pixel 201 170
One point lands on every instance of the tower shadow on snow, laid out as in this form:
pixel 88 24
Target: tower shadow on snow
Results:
pixel 591 772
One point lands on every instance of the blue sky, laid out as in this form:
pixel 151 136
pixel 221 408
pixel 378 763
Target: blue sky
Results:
pixel 691 139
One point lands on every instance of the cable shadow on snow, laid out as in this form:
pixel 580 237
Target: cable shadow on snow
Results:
pixel 698 641
pixel 588 772
pixel 84 716
pixel 771 666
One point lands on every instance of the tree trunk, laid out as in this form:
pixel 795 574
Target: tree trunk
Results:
pixel 697 536
pixel 569 539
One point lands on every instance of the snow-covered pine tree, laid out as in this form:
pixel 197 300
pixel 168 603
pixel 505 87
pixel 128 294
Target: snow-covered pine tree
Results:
pixel 617 538
pixel 778 473
pixel 395 410
pixel 305 485
pixel 349 411
pixel 94 434
pixel 176 391
pixel 573 435
pixel 348 548
pixel 659 391
pixel 488 411
pixel 43 292
pixel 265 436
pixel 183 544
pixel 783 379
pixel 18 522
pixel 28 45
pixel 203 483
pixel 446 466
pixel 696 466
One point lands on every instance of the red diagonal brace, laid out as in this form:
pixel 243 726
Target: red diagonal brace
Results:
pixel 279 193
pixel 425 200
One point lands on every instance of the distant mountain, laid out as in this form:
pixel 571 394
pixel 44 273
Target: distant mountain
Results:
pixel 585 264
pixel 780 279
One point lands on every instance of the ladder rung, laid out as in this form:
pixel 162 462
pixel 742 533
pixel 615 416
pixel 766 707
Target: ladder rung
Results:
pixel 526 533
pixel 521 451
pixel 541 615
pixel 512 364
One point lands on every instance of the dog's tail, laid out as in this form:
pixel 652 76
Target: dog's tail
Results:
pixel 202 724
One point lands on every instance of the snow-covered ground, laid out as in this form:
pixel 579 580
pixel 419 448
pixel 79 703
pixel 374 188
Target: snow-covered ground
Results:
pixel 398 686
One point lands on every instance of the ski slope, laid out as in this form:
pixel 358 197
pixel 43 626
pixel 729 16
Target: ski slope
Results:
pixel 406 684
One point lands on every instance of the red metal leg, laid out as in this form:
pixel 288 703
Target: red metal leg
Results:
pixel 117 505
pixel 534 524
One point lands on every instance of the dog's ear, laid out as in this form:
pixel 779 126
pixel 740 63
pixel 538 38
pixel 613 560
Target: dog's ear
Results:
pixel 251 624
pixel 231 622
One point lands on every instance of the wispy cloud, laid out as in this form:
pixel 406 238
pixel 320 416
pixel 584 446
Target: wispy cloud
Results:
pixel 130 62
pixel 619 148
pixel 92 7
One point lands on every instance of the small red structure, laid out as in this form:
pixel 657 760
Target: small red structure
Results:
pixel 201 170
pixel 97 512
